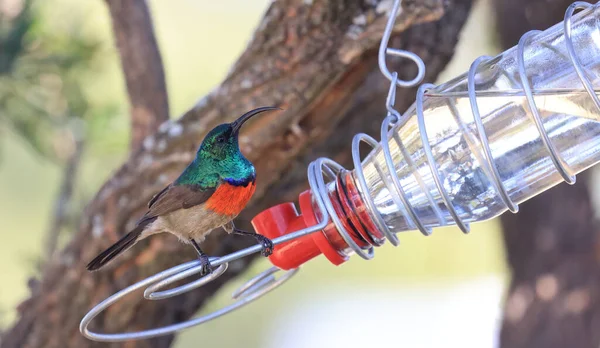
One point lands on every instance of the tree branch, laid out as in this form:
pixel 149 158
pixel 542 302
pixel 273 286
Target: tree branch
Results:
pixel 317 60
pixel 142 67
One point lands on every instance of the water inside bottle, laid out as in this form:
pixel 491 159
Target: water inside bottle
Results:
pixel 569 116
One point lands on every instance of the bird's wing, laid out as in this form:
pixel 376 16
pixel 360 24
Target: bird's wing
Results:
pixel 157 196
pixel 175 197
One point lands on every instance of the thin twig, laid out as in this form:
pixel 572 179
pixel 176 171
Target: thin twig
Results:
pixel 63 199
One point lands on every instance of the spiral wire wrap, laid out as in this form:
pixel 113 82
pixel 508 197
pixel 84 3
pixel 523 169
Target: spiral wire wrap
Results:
pixel 324 167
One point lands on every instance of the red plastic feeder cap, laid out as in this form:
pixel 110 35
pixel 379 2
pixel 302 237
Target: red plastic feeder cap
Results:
pixel 283 219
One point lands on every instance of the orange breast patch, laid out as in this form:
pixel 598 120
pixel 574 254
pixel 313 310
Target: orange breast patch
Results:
pixel 230 200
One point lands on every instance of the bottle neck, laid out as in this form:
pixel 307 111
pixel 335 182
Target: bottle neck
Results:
pixel 354 215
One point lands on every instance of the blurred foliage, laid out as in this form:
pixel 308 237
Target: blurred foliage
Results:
pixel 41 92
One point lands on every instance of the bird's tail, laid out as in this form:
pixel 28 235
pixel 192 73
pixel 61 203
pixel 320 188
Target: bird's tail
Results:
pixel 114 250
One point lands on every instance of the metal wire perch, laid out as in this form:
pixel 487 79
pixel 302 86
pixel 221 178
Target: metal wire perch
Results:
pixel 266 281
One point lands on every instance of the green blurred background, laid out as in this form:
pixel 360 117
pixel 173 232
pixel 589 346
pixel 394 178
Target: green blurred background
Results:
pixel 199 40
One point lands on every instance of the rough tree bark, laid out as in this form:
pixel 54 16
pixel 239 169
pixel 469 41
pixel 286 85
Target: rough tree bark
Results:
pixel 315 59
pixel 552 243
pixel 142 67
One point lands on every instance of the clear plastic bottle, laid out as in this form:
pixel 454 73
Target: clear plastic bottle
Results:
pixel 569 115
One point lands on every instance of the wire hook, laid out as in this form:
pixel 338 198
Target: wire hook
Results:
pixel 393 114
pixel 384 49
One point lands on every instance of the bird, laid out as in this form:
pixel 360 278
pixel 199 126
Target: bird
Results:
pixel 209 194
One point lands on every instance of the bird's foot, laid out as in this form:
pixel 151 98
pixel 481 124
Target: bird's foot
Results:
pixel 206 266
pixel 204 260
pixel 267 245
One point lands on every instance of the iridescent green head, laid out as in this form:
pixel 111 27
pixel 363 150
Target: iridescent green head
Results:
pixel 222 141
pixel 219 156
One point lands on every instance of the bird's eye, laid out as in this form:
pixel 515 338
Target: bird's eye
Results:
pixel 220 139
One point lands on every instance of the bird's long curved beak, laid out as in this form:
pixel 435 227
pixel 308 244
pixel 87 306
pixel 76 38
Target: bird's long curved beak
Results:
pixel 237 124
